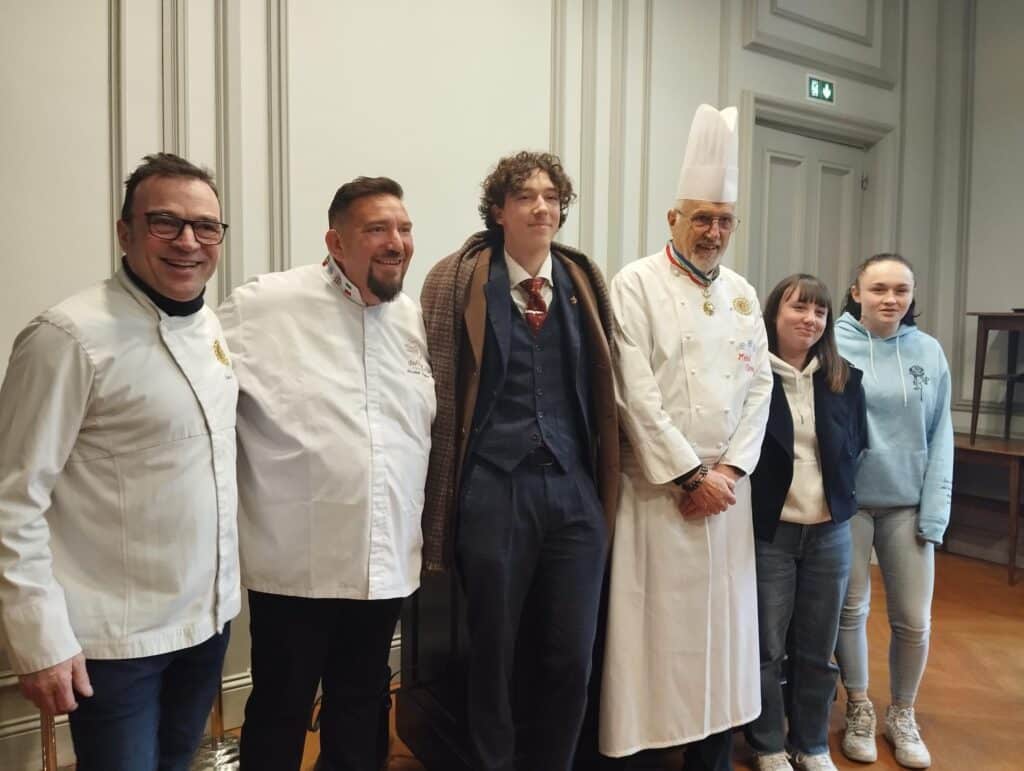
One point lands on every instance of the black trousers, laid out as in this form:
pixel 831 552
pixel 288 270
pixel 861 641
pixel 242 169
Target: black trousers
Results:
pixel 532 540
pixel 297 643
pixel 712 753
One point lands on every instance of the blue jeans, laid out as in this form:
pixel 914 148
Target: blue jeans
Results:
pixel 801 582
pixel 147 714
pixel 908 571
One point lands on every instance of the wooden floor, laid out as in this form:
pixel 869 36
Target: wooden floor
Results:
pixel 971 705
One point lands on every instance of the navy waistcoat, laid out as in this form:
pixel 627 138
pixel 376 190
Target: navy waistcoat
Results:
pixel 530 391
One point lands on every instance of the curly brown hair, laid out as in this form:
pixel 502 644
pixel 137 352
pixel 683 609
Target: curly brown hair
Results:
pixel 510 174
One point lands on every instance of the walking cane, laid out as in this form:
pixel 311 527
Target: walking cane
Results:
pixel 48 735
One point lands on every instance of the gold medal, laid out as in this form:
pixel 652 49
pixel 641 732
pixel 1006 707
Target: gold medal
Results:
pixel 709 307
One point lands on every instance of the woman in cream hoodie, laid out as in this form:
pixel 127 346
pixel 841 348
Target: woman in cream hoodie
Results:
pixel 904 484
pixel 803 496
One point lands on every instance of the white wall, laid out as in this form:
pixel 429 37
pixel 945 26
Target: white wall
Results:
pixel 286 100
pixel 411 90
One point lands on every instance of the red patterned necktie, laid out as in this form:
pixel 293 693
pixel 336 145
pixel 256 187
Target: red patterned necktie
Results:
pixel 536 309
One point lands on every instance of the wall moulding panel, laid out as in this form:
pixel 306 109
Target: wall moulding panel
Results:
pixel 601 123
pixel 988 269
pixel 279 221
pixel 174 76
pixel 863 30
pixel 115 117
pixel 868 52
pixel 227 24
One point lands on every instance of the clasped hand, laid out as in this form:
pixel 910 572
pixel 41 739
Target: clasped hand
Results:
pixel 713 496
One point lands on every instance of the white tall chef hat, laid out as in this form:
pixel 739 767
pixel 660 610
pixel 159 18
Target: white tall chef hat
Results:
pixel 710 169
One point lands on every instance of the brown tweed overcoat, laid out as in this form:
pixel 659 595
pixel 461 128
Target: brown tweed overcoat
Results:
pixel 455 314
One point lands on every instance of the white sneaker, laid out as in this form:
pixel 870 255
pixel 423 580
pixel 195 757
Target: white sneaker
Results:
pixel 901 729
pixel 859 736
pixel 819 762
pixel 773 761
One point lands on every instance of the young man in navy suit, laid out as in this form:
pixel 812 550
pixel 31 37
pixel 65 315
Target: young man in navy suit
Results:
pixel 524 465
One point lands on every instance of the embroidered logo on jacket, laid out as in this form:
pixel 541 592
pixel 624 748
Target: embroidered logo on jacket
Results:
pixel 416 362
pixel 221 354
pixel 745 353
pixel 743 305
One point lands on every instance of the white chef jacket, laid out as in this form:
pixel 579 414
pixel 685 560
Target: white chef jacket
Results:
pixel 681 656
pixel 117 481
pixel 334 416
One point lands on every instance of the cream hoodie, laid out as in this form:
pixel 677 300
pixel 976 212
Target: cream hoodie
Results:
pixel 805 503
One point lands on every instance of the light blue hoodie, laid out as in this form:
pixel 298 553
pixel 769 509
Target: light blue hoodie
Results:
pixel 909 461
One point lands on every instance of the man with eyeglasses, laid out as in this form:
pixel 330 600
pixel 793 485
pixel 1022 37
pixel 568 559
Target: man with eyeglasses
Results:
pixel 681 661
pixel 118 548
pixel 334 412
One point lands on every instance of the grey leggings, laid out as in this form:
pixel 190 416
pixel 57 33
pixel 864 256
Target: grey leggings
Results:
pixel 908 570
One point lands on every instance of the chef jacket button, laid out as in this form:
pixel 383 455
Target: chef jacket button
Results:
pixel 693 372
pixel 726 410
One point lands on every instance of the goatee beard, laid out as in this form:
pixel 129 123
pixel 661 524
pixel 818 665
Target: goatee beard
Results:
pixel 385 292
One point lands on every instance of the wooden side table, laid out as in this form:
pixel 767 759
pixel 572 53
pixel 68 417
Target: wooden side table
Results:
pixel 1009 454
pixel 1013 323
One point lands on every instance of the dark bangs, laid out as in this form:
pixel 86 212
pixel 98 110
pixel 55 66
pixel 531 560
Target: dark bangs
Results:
pixel 811 289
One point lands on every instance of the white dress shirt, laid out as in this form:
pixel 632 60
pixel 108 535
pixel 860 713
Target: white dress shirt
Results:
pixel 117 481
pixel 517 274
pixel 335 406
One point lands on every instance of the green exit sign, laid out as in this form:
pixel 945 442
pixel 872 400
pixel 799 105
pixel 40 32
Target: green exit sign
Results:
pixel 821 90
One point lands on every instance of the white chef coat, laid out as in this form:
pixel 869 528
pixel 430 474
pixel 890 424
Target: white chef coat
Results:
pixel 334 416
pixel 681 656
pixel 117 481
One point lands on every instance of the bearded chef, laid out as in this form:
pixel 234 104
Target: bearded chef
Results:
pixel 681 661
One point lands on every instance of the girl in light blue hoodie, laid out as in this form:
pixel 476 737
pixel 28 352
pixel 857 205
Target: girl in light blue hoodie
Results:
pixel 903 496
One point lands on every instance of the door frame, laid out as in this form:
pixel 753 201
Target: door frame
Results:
pixel 880 141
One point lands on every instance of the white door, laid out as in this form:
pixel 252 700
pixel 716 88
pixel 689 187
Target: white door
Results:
pixel 805 212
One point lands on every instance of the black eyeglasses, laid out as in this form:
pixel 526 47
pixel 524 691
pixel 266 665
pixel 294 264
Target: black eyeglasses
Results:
pixel 167 227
